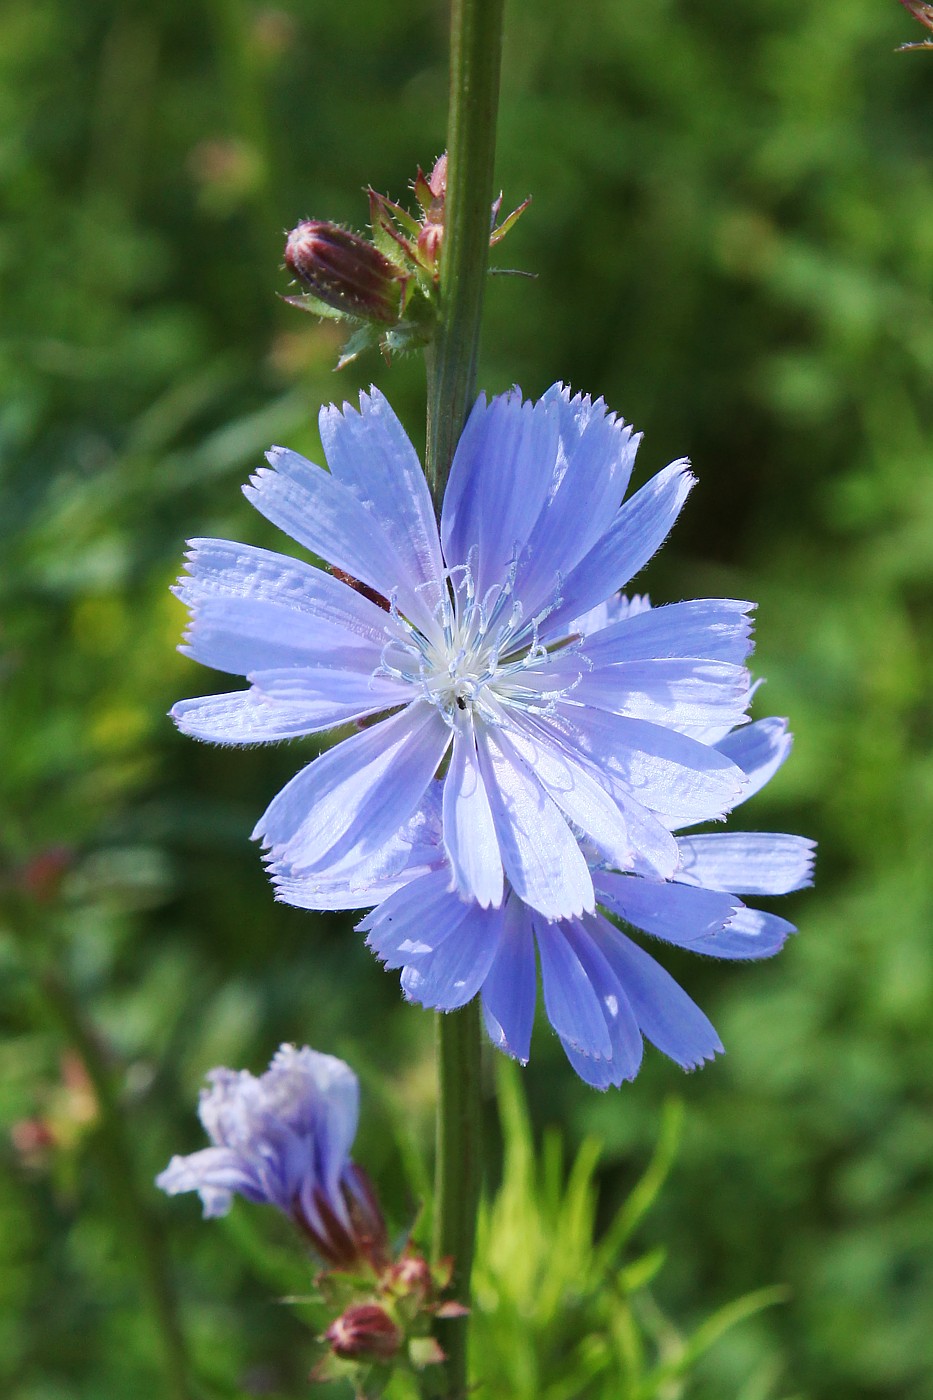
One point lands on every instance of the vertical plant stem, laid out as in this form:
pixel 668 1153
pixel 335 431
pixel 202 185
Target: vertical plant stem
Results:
pixel 475 55
pixel 475 59
pixel 458 1172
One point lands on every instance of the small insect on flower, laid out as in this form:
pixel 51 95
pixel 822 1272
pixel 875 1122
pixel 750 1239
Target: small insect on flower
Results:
pixel 545 732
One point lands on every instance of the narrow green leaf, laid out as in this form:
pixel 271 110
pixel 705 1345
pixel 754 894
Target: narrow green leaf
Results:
pixel 645 1193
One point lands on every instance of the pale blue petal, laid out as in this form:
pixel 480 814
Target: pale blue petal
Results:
pixel 611 610
pixel 452 976
pixel 750 934
pixel 359 881
pixel 624 1033
pixel 677 913
pixel 668 773
pixel 498 484
pixel 286 703
pixel 759 749
pixel 666 1015
pixel 540 854
pixel 318 1097
pixel 326 517
pixel 593 466
pixel 510 989
pixel 575 791
pixel 671 691
pixel 573 1007
pixel 415 921
pixel 241 717
pixel 358 793
pixel 230 1108
pixel 469 830
pixel 717 629
pixel 747 862
pixel 640 527
pixel 369 452
pixel 327 892
pixel 318 685
pixel 217 1174
pixel 653 849
pixel 243 636
pixel 314 1093
pixel 221 569
pixel 598 1074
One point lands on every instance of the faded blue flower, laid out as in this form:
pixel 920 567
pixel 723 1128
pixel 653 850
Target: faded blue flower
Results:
pixel 457 647
pixel 284 1140
pixel 603 993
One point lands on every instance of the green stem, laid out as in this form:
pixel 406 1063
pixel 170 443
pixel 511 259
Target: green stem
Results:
pixel 458 1171
pixel 117 1164
pixel 475 57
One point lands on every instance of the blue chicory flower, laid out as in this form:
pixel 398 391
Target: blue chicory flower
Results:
pixel 603 993
pixel 458 646
pixel 284 1140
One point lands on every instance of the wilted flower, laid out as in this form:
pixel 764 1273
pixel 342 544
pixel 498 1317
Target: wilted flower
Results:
pixel 475 658
pixel 284 1140
pixel 603 993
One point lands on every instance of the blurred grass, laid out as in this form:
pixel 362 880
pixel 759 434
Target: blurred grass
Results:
pixel 733 234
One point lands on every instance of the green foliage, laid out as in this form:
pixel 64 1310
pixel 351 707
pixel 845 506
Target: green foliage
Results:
pixel 561 1313
pixel 732 232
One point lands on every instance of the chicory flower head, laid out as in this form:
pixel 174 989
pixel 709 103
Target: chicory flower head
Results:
pixel 603 993
pixel 284 1140
pixel 457 647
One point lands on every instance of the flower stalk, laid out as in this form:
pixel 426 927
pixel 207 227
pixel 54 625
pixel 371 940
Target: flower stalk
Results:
pixel 458 1172
pixel 475 61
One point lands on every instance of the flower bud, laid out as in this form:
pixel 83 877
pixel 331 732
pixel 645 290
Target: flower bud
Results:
pixel 923 12
pixel 411 1276
pixel 431 192
pixel 364 1331
pixel 344 271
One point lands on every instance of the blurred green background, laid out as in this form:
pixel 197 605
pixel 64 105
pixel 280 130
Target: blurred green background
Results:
pixel 732 232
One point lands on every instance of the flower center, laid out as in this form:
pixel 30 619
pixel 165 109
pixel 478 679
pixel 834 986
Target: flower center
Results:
pixel 479 655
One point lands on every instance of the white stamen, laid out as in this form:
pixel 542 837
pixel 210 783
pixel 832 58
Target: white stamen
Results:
pixel 480 648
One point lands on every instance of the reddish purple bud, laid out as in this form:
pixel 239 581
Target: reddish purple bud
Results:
pixel 344 271
pixel 411 1276
pixel 430 239
pixel 432 196
pixel 437 180
pixel 364 1330
pixel 922 11
pixel 452 1309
